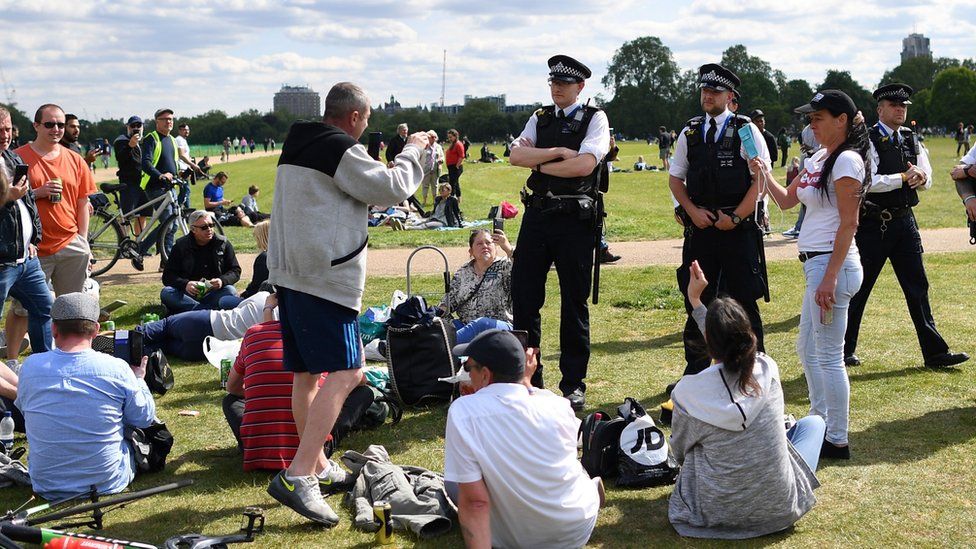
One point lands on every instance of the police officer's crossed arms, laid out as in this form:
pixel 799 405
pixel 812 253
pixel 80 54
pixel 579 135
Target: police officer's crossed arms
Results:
pixel 964 175
pixel 563 144
pixel 716 192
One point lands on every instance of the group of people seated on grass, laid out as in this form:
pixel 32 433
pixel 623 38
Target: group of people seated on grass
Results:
pixel 446 213
pixel 244 215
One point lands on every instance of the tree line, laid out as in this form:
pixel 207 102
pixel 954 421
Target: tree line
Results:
pixel 650 89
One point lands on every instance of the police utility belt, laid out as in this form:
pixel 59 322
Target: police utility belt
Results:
pixel 579 205
pixel 687 222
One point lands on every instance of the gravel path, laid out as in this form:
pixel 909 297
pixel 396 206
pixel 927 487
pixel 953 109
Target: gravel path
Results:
pixel 393 261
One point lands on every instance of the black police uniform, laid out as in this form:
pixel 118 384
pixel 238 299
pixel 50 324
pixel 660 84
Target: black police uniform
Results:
pixel 718 178
pixel 558 227
pixel 888 230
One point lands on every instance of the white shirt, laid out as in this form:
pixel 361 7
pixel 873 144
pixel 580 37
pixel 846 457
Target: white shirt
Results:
pixel 25 218
pixel 596 142
pixel 183 147
pixel 823 218
pixel 890 182
pixel 523 445
pixel 231 324
pixel 970 157
pixel 679 162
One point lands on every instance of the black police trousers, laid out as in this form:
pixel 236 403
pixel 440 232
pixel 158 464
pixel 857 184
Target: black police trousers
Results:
pixel 730 261
pixel 567 241
pixel 901 243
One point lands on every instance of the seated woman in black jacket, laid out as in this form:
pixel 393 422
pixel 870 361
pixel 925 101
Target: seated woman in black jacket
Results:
pixel 260 271
pixel 446 213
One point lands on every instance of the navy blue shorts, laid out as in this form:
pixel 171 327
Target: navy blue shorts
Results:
pixel 317 335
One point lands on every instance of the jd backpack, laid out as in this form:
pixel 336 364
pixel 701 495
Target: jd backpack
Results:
pixel 645 458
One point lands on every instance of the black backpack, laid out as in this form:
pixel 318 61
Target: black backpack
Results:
pixel 159 376
pixel 601 439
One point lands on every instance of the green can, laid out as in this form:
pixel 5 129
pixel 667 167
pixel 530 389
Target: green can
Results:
pixel 108 325
pixel 201 288
pixel 225 365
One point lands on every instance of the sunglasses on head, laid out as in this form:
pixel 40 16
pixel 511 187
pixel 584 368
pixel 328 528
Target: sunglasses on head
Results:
pixel 51 125
pixel 206 227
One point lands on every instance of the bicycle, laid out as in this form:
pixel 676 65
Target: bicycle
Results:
pixel 21 524
pixel 109 229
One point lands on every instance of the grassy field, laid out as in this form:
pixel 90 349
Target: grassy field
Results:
pixel 913 430
pixel 639 203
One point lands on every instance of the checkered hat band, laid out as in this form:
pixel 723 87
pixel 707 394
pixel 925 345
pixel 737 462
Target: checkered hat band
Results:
pixel 897 94
pixel 560 68
pixel 714 78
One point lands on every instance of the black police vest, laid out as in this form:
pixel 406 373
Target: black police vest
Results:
pixel 718 177
pixel 894 158
pixel 564 132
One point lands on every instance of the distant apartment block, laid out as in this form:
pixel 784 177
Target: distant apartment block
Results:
pixel 915 45
pixel 300 101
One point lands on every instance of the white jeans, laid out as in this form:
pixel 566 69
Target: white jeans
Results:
pixel 821 346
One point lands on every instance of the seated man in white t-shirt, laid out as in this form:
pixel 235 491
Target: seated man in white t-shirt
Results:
pixel 512 451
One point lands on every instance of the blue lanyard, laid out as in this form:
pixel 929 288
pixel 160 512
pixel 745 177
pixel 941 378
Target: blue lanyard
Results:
pixel 884 132
pixel 724 126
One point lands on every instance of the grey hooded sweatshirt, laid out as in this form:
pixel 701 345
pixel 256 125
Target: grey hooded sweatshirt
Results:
pixel 740 477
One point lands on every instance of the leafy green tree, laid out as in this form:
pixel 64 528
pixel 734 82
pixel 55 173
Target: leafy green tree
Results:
pixel 646 85
pixel 953 97
pixel 757 88
pixel 918 72
pixel 843 81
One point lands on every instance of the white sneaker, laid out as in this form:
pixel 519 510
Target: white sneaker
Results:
pixel 334 479
pixel 302 496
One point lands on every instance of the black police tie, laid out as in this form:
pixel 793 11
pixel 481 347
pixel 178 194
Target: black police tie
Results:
pixel 710 134
pixel 560 114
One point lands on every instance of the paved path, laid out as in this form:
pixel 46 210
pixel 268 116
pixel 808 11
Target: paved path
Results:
pixel 393 261
pixel 103 175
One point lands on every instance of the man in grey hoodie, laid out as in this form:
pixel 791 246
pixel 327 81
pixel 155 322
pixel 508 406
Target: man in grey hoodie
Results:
pixel 317 259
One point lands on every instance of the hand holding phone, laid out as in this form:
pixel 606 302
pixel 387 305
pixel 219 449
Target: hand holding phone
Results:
pixel 497 224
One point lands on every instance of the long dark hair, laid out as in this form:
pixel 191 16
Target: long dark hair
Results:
pixel 857 141
pixel 730 340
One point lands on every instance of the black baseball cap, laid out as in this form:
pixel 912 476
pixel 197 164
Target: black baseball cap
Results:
pixel 757 114
pixel 835 101
pixel 497 350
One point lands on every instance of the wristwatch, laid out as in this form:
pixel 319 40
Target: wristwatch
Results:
pixel 735 218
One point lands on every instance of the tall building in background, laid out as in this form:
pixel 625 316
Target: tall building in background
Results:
pixel 301 101
pixel 915 45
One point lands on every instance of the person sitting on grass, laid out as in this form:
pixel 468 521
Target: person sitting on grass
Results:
pixel 446 213
pixel 743 473
pixel 259 271
pixel 511 452
pixel 481 290
pixel 205 166
pixel 200 256
pixel 182 334
pixel 78 406
pixel 250 205
pixel 258 405
pixel 215 203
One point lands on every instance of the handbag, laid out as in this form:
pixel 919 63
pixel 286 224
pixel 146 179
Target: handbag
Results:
pixel 151 445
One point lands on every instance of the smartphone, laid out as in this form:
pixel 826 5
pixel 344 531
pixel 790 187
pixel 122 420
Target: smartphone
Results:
pixel 498 224
pixel 20 171
pixel 745 134
pixel 523 337
pixel 128 346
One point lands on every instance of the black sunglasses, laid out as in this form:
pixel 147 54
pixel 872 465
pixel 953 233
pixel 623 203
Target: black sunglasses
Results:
pixel 207 227
pixel 135 125
pixel 51 125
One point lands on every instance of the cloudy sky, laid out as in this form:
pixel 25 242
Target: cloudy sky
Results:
pixel 112 59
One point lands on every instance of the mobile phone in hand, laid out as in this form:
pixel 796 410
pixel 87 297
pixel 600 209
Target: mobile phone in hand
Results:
pixel 498 224
pixel 523 337
pixel 20 172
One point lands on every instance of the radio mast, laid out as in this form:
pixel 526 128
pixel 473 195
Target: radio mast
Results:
pixel 443 78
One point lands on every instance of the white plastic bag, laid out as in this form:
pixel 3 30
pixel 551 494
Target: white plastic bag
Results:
pixel 217 349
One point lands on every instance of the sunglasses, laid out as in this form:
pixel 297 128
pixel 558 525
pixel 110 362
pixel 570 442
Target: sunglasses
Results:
pixel 135 125
pixel 51 125
pixel 207 227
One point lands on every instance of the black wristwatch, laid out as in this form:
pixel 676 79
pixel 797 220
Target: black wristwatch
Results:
pixel 735 218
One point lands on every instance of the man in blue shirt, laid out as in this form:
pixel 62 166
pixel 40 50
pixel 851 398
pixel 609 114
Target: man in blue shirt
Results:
pixel 214 202
pixel 78 404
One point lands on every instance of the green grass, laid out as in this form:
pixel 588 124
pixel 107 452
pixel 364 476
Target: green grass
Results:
pixel 639 203
pixel 913 430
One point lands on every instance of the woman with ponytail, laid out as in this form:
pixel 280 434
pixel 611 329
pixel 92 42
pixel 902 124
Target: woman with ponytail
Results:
pixel 744 472
pixel 831 186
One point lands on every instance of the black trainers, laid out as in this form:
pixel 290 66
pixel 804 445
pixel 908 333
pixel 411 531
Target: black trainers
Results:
pixel 830 450
pixel 944 360
pixel 577 399
pixel 303 496
pixel 851 360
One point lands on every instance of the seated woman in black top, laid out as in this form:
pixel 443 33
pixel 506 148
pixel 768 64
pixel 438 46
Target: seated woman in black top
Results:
pixel 260 271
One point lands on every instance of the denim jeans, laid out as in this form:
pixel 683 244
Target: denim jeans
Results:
pixel 807 437
pixel 467 332
pixel 26 283
pixel 176 301
pixel 821 346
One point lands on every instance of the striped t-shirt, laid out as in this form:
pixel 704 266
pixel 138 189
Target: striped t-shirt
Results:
pixel 268 430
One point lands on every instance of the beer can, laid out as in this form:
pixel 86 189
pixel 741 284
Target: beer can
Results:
pixel 55 197
pixel 225 365
pixel 383 516
pixel 108 325
pixel 147 318
pixel 201 288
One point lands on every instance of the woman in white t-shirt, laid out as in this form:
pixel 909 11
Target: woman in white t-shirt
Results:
pixel 831 187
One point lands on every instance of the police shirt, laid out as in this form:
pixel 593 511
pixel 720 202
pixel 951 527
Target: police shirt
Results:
pixel 597 139
pixel 890 182
pixel 679 164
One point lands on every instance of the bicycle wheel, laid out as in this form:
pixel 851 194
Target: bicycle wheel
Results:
pixel 105 237
pixel 173 223
pixel 218 228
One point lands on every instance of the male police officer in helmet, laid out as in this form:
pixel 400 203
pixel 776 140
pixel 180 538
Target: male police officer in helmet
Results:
pixel 711 181
pixel 563 145
pixel 900 169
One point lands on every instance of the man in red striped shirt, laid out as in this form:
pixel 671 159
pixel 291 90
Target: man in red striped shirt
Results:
pixel 258 403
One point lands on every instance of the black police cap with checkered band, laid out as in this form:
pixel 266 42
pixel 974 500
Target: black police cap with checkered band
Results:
pixel 897 92
pixel 717 77
pixel 567 69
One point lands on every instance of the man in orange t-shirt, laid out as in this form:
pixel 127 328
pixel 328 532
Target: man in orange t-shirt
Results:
pixel 63 206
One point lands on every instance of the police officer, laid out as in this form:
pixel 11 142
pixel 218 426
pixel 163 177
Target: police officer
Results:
pixel 899 168
pixel 563 144
pixel 716 193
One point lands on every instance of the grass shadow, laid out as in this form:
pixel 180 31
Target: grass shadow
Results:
pixel 911 439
